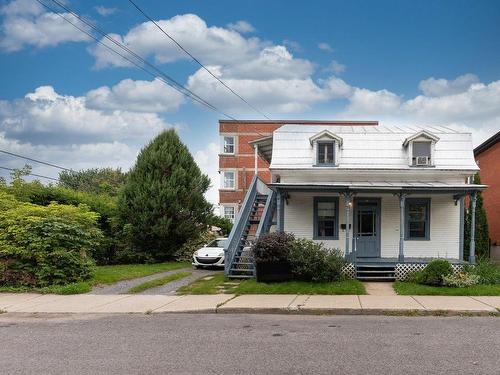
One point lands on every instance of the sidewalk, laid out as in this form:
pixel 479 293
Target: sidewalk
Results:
pixel 226 303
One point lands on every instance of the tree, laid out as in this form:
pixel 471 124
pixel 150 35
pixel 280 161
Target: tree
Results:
pixel 161 205
pixel 482 242
pixel 95 180
pixel 224 224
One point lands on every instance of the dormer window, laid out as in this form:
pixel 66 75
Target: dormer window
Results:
pixel 326 147
pixel 326 153
pixel 421 153
pixel 420 147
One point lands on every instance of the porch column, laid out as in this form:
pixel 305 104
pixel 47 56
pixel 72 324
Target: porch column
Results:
pixel 461 238
pixel 347 201
pixel 256 159
pixel 472 246
pixel 402 199
pixel 279 212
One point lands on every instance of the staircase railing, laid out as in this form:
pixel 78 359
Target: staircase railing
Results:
pixel 267 215
pixel 239 225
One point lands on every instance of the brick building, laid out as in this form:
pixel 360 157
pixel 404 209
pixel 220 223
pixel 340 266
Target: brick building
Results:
pixel 487 157
pixel 237 156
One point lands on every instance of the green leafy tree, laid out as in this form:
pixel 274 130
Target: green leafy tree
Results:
pixel 96 180
pixel 162 205
pixel 224 224
pixel 482 243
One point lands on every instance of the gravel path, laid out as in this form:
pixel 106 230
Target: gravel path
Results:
pixel 122 287
pixel 172 286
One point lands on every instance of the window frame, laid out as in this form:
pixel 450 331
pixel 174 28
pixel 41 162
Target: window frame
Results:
pixel 420 201
pixel 224 212
pixel 317 200
pixel 223 145
pixel 223 185
pixel 414 158
pixel 334 151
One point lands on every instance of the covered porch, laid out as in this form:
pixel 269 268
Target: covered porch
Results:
pixel 380 223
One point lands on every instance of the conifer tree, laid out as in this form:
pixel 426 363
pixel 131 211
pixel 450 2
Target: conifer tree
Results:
pixel 162 205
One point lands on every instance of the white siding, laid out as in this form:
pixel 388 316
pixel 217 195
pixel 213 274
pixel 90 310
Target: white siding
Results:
pixel 444 221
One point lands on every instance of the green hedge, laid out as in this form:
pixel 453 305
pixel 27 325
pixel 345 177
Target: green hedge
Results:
pixel 46 245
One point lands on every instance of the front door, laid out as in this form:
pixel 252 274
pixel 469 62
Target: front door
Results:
pixel 367 228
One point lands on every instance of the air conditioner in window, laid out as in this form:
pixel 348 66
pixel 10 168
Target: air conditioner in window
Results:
pixel 422 160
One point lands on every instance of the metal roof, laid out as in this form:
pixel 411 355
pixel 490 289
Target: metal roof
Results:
pixel 371 147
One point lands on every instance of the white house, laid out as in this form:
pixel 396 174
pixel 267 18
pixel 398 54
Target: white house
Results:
pixel 382 195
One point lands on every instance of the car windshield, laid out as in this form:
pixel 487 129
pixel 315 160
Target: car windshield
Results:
pixel 217 243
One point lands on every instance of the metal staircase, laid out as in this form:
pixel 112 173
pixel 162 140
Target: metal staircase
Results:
pixel 254 219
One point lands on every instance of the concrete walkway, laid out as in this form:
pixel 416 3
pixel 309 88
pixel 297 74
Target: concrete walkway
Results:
pixel 226 303
pixel 379 288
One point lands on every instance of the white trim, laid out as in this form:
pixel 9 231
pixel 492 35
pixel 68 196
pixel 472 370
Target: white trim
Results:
pixel 223 207
pixel 222 174
pixel 324 135
pixel 222 144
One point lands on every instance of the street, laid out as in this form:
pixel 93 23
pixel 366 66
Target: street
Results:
pixel 247 344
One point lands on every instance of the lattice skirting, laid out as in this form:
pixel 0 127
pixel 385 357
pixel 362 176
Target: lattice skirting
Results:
pixel 403 270
pixel 349 271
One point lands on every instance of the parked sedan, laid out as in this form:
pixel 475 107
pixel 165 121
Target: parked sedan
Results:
pixel 210 255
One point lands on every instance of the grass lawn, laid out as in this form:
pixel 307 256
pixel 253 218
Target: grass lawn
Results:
pixel 158 282
pixel 103 275
pixel 251 286
pixel 405 288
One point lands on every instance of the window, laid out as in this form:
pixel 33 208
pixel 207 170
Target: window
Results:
pixel 326 152
pixel 417 219
pixel 228 145
pixel 229 213
pixel 421 153
pixel 228 181
pixel 326 218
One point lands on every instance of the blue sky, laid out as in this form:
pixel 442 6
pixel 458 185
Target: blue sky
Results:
pixel 64 100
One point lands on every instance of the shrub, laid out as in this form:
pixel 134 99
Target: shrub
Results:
pixel 487 271
pixel 41 246
pixel 273 247
pixel 460 279
pixel 185 253
pixel 162 203
pixel 311 261
pixel 433 273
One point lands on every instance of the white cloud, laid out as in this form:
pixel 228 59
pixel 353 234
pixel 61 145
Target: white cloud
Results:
pixel 325 47
pixel 335 67
pixel 443 87
pixel 46 117
pixel 241 27
pixel 208 161
pixel 213 45
pixel 25 23
pixel 277 95
pixel 139 96
pixel 292 45
pixel 104 11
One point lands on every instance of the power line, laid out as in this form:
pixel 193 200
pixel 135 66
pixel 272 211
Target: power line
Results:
pixel 167 80
pixel 36 160
pixel 31 174
pixel 196 60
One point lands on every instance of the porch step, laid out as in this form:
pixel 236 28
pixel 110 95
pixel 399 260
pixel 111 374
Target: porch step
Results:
pixel 375 272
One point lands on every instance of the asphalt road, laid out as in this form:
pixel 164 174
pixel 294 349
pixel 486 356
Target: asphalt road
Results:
pixel 248 344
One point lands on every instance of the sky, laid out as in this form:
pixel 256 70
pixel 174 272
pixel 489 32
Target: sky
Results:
pixel 66 99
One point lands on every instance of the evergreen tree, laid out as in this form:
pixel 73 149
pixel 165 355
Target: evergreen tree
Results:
pixel 162 205
pixel 482 242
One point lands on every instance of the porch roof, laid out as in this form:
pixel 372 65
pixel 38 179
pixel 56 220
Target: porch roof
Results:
pixel 380 186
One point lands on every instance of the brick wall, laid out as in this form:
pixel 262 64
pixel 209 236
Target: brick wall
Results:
pixel 489 162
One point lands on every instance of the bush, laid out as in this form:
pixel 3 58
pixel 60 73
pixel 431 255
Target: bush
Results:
pixel 162 203
pixel 273 247
pixel 460 280
pixel 42 246
pixel 487 271
pixel 434 272
pixel 185 253
pixel 311 261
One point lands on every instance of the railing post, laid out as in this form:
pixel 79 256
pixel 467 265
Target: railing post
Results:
pixel 402 199
pixel 472 246
pixel 347 202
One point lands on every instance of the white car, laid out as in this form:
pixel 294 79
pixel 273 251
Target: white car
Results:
pixel 210 255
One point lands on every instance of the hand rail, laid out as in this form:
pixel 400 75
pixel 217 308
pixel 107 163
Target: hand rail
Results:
pixel 239 225
pixel 267 215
